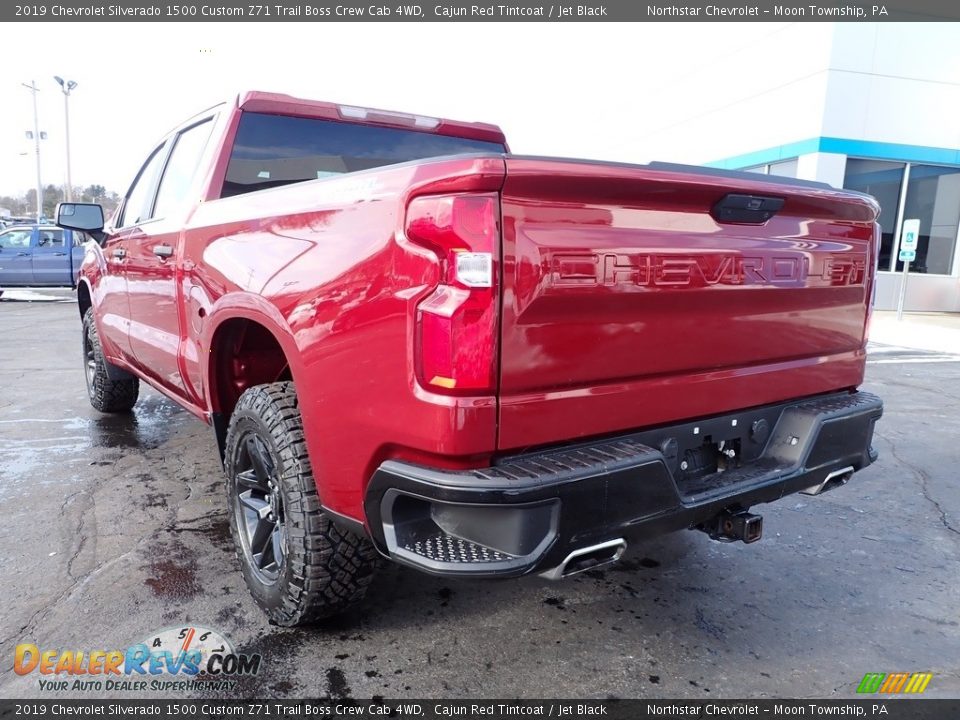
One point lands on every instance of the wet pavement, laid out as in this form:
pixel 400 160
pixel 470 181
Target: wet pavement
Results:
pixel 115 527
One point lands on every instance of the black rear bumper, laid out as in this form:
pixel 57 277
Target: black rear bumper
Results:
pixel 528 512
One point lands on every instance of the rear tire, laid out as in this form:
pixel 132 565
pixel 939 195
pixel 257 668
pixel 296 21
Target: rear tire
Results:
pixel 106 395
pixel 298 566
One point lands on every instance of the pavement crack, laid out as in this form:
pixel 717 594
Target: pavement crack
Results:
pixel 76 554
pixel 923 480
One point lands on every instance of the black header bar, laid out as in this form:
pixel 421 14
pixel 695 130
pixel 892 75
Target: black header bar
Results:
pixel 481 11
pixel 877 706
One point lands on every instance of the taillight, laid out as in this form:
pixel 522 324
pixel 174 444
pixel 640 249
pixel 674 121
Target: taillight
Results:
pixel 456 325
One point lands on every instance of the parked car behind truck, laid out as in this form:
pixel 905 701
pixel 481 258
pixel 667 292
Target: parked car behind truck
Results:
pixel 40 256
pixel 410 342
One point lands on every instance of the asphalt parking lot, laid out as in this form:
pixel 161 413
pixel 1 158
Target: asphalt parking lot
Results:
pixel 115 527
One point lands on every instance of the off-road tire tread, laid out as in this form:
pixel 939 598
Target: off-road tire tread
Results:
pixel 329 570
pixel 108 396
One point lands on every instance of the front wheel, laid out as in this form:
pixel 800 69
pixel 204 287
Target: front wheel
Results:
pixel 106 395
pixel 298 565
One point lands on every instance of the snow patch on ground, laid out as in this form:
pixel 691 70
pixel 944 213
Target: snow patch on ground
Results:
pixel 32 296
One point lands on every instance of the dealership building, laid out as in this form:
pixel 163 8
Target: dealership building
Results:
pixel 870 107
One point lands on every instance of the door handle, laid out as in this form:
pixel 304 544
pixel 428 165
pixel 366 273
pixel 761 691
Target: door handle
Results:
pixel 59 254
pixel 120 253
pixel 162 251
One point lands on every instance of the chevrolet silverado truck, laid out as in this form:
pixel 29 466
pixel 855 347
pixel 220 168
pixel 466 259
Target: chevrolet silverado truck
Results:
pixel 411 343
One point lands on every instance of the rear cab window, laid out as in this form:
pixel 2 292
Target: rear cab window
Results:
pixel 274 150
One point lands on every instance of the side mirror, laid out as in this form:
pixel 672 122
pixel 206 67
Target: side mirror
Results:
pixel 87 217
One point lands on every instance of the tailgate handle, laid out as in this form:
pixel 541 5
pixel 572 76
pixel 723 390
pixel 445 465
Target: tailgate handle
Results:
pixel 739 208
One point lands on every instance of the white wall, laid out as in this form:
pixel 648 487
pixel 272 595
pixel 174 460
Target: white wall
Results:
pixel 925 293
pixel 765 91
pixel 824 167
pixel 895 83
pixel 882 82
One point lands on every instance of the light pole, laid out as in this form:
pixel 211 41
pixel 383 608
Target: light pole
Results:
pixel 66 86
pixel 32 87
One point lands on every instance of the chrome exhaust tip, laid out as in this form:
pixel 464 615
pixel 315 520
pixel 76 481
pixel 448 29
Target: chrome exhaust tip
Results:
pixel 588 558
pixel 831 481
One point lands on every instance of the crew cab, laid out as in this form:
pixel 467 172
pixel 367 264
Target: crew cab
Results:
pixel 410 342
pixel 40 256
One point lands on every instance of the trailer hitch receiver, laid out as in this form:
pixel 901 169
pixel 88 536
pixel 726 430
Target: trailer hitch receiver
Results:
pixel 731 526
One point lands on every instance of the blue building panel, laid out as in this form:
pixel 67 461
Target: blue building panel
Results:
pixel 842 146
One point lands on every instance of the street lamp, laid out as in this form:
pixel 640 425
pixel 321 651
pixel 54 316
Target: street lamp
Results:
pixel 32 87
pixel 66 86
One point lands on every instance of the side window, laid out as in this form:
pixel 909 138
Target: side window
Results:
pixel 181 169
pixel 51 239
pixel 79 238
pixel 18 239
pixel 136 208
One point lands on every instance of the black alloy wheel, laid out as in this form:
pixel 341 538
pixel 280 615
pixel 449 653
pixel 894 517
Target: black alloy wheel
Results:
pixel 261 522
pixel 89 364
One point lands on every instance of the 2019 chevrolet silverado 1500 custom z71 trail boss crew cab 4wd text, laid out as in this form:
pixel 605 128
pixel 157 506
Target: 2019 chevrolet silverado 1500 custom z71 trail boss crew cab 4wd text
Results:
pixel 408 340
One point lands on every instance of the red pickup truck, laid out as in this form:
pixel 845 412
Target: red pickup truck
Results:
pixel 410 342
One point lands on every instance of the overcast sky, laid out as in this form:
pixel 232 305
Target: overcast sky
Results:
pixel 556 89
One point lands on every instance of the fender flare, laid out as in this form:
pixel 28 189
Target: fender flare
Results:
pixel 246 306
pixel 83 285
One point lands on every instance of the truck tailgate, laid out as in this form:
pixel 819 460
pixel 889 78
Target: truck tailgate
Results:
pixel 631 297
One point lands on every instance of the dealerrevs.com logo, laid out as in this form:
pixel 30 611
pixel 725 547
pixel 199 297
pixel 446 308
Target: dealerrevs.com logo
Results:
pixel 184 658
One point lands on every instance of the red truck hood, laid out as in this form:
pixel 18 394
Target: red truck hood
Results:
pixel 625 303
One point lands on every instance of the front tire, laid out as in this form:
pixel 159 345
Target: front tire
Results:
pixel 298 566
pixel 106 395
